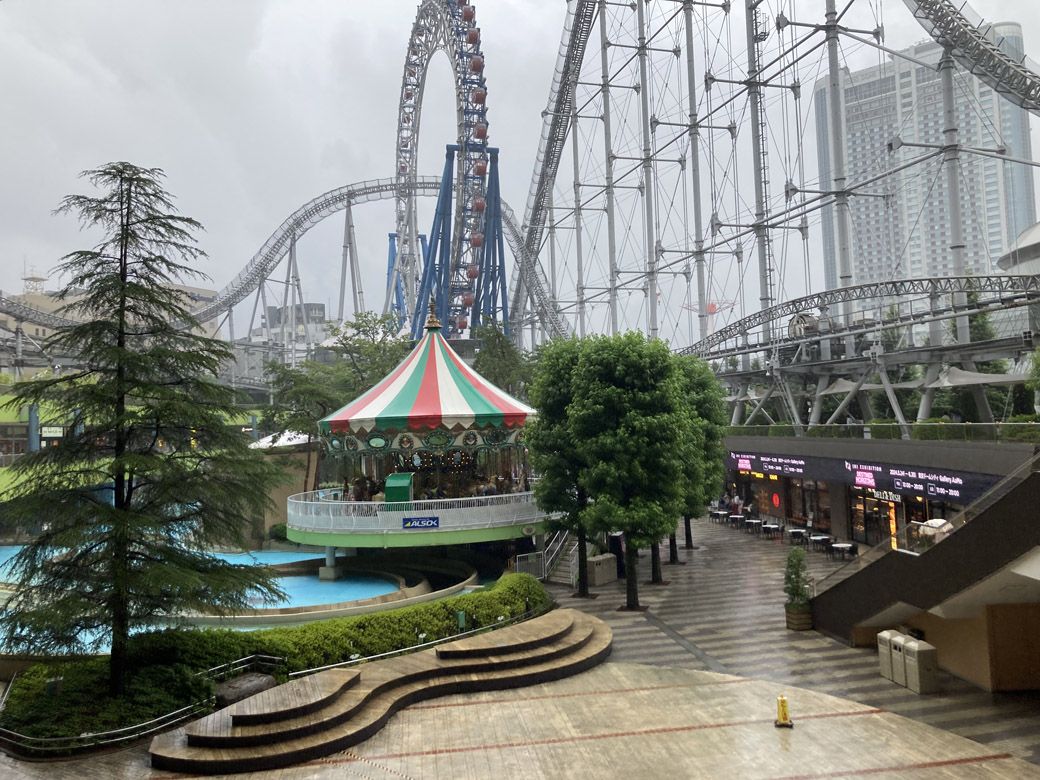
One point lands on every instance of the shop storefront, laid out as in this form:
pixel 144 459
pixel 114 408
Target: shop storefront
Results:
pixel 874 501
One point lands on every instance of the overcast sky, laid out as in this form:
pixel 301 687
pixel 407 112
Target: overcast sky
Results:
pixel 253 107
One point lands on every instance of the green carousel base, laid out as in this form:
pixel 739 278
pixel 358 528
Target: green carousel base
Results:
pixel 413 538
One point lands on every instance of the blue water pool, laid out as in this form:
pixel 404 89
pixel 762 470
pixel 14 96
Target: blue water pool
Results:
pixel 302 591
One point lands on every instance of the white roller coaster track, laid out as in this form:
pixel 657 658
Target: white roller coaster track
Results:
pixel 275 248
pixel 973 47
pixel 528 279
pixel 1005 288
pixel 310 214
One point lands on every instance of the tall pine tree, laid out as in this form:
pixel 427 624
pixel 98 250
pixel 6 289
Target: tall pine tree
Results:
pixel 149 476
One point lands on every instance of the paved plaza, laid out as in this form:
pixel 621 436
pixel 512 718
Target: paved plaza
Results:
pixel 689 691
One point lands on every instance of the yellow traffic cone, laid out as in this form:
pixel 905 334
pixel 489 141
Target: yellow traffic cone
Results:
pixel 783 717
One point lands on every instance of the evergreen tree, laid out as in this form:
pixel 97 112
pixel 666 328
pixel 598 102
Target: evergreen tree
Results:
pixel 148 476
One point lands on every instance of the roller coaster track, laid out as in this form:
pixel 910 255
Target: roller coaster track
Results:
pixel 1009 287
pixel 555 124
pixel 22 313
pixel 270 254
pixel 973 48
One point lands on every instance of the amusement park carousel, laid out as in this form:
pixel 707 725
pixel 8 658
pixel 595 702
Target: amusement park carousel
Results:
pixel 432 455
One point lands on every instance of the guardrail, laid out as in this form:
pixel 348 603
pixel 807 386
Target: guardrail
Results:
pixel 541 562
pixel 322 510
pixel 1028 432
pixel 28 746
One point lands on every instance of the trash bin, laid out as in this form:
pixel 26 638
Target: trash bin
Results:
pixel 615 545
pixel 922 666
pixel 884 652
pixel 898 643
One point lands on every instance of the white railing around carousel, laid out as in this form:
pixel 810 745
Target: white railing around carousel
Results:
pixel 323 510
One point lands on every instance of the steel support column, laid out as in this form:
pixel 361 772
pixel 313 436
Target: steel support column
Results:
pixel 648 173
pixel 608 167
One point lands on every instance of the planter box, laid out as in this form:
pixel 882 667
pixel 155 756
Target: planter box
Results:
pixel 798 620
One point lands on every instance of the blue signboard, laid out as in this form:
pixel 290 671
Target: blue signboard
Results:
pixel 413 523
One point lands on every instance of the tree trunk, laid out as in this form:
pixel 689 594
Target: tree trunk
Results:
pixel 117 659
pixel 673 549
pixel 122 483
pixel 583 564
pixel 655 564
pixel 307 468
pixel 631 576
pixel 317 467
pixel 689 532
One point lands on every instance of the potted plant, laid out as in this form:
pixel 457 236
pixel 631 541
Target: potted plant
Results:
pixel 796 585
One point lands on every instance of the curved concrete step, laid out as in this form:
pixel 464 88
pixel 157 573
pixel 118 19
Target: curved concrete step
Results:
pixel 423 668
pixel 362 709
pixel 294 698
pixel 550 628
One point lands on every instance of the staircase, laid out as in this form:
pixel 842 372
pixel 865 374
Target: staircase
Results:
pixel 330 711
pixel 564 569
pixel 892 584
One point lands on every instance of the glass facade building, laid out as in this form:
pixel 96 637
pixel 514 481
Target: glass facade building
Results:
pixel 900 225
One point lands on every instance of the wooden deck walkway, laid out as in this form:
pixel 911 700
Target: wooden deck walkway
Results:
pixel 330 711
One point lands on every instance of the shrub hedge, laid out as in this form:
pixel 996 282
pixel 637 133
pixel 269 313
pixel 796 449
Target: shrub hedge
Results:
pixel 885 429
pixel 163 663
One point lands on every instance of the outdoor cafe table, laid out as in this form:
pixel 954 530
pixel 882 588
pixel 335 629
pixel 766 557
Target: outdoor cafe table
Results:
pixel 796 534
pixel 842 548
pixel 736 519
pixel 718 515
pixel 770 529
pixel 752 526
pixel 819 540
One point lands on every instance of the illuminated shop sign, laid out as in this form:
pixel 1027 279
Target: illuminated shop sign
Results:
pixel 960 487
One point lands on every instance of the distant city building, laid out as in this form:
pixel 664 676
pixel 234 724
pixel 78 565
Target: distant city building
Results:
pixel 302 324
pixel 906 233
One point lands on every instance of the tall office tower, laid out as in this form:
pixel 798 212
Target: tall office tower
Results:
pixel 900 225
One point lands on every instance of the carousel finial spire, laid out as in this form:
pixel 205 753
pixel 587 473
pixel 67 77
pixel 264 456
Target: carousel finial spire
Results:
pixel 432 323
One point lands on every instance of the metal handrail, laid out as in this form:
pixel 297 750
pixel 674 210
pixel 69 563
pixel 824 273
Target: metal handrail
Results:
pixel 901 541
pixel 554 549
pixel 1000 432
pixel 27 745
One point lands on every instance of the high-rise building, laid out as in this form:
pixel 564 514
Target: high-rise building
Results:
pixel 900 226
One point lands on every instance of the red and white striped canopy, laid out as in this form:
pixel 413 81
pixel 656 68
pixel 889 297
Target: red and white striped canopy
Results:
pixel 431 388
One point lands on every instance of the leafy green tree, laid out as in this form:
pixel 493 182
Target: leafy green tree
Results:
pixel 370 346
pixel 705 468
pixel 632 422
pixel 555 454
pixel 148 476
pixel 302 396
pixel 365 350
pixel 501 362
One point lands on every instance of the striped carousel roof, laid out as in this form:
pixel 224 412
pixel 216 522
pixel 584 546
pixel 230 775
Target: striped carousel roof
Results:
pixel 431 388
